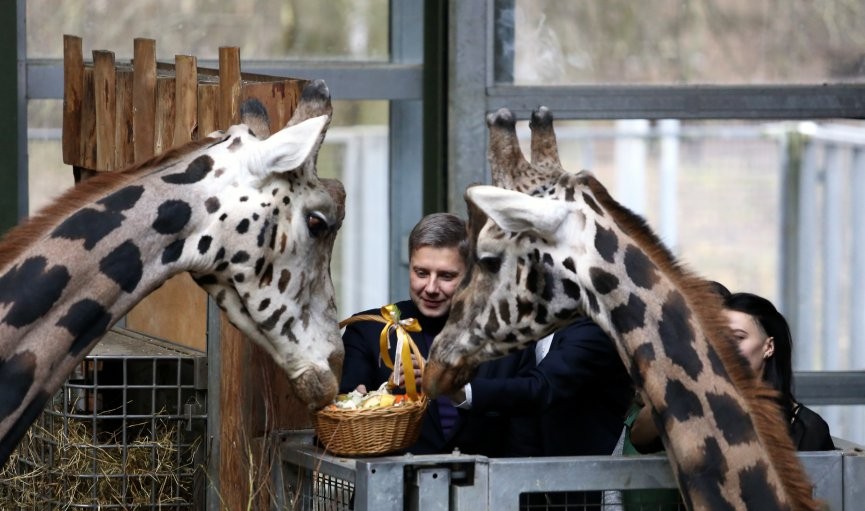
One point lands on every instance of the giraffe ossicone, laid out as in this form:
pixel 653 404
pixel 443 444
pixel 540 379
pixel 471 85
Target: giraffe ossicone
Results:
pixel 247 216
pixel 549 246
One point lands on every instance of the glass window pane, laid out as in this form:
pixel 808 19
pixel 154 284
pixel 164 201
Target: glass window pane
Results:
pixel 266 29
pixel 674 42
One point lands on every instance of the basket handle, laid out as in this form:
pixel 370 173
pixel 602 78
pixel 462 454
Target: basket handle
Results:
pixel 390 316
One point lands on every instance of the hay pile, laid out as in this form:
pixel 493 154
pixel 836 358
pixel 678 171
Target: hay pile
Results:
pixel 63 466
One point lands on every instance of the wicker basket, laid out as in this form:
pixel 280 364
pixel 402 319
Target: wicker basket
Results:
pixel 371 432
pixel 378 431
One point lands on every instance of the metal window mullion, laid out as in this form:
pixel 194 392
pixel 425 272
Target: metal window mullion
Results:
pixel 803 353
pixel 833 257
pixel 820 101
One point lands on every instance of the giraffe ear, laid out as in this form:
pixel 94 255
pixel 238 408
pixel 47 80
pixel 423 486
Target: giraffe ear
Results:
pixel 288 148
pixel 518 212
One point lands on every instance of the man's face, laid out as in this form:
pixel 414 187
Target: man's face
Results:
pixel 434 274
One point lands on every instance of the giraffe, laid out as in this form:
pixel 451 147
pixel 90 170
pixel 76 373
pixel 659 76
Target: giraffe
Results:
pixel 247 217
pixel 555 245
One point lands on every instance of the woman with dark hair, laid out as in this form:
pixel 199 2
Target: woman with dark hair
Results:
pixel 765 342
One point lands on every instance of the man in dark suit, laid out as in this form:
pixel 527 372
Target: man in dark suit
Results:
pixel 438 250
pixel 569 398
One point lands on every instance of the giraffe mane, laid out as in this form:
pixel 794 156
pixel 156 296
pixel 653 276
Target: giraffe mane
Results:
pixel 21 237
pixel 763 401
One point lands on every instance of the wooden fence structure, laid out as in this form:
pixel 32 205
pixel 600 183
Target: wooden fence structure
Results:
pixel 117 114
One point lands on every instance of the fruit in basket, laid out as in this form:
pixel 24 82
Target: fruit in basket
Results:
pixel 380 398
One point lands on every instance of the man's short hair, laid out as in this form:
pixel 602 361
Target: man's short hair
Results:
pixel 440 230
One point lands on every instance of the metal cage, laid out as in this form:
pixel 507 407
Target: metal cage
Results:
pixel 125 431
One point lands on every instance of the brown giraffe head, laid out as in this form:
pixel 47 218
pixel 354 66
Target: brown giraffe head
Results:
pixel 565 248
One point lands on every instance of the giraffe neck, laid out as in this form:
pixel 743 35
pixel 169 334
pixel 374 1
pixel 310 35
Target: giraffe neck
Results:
pixel 724 435
pixel 76 270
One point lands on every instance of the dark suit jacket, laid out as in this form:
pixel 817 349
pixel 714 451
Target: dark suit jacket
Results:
pixel 573 403
pixel 483 433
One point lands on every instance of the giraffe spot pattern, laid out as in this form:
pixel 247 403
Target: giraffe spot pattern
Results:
pixel 677 335
pixel 266 276
pixel 270 323
pixel 195 172
pixel 571 289
pixel 173 251
pixel 756 490
pixel 123 265
pixel 643 356
pixel 243 226
pixel 593 302
pixel 89 225
pixel 205 280
pixel 590 201
pixel 19 428
pixel 705 479
pixel 87 321
pixel 32 290
pixel 606 243
pixel 204 244
pixel 505 311
pixel 241 256
pixel 492 324
pixel 641 270
pixel 172 216
pixel 524 308
pixel 603 281
pixel 682 403
pixel 286 329
pixel 733 421
pixel 17 374
pixel 122 199
pixel 284 279
pixel 212 205
pixel 259 241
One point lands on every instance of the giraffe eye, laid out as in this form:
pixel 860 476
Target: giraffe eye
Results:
pixel 490 264
pixel 316 223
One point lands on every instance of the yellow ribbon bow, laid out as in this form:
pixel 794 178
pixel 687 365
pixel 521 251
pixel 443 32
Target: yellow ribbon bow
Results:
pixel 405 346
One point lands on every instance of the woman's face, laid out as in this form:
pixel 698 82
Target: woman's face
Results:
pixel 754 344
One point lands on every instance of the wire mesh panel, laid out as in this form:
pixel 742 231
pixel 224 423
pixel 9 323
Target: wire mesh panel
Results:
pixel 124 432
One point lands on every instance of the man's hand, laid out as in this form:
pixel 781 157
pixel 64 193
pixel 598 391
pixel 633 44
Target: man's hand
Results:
pixel 418 377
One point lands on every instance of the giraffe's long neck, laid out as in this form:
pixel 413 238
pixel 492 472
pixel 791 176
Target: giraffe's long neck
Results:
pixel 725 437
pixel 73 279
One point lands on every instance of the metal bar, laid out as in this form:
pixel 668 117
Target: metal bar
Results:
pixel 803 352
pixel 834 184
pixel 468 57
pixel 683 101
pixel 406 143
pixel 346 80
pixel 830 387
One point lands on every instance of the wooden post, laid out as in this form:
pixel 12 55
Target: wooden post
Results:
pixel 163 136
pixel 124 149
pixel 208 108
pixel 144 97
pixel 186 99
pixel 229 86
pixel 87 130
pixel 104 86
pixel 73 92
